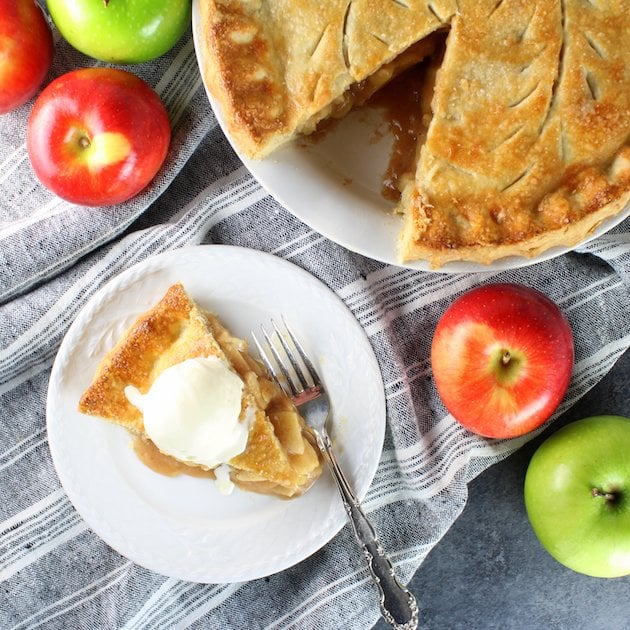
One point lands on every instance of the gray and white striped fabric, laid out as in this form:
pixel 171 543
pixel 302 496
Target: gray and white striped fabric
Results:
pixel 53 256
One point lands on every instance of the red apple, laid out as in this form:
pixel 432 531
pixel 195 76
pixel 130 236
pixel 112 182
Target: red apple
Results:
pixel 97 136
pixel 502 356
pixel 26 51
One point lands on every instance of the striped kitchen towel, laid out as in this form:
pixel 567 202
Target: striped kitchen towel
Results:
pixel 55 572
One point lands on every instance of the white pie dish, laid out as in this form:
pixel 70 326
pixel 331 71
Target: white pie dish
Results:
pixel 334 186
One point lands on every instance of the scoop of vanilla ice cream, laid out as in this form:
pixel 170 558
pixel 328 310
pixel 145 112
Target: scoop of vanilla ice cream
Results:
pixel 192 412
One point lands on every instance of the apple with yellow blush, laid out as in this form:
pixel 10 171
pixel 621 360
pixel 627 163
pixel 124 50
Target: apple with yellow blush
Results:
pixel 502 357
pixel 97 136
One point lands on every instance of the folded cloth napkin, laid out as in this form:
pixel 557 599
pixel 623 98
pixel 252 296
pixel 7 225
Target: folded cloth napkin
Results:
pixel 55 572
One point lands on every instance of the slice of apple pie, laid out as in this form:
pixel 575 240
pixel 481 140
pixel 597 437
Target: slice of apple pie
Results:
pixel 198 403
pixel 527 147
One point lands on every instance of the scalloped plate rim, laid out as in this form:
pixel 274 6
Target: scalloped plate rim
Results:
pixel 157 271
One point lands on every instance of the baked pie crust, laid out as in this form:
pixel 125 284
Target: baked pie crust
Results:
pixel 528 144
pixel 278 458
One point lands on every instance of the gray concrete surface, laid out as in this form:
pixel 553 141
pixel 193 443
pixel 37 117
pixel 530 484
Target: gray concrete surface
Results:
pixel 489 571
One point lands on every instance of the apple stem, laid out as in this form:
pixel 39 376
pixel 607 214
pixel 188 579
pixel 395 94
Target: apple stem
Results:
pixel 506 357
pixel 84 142
pixel 105 2
pixel 609 496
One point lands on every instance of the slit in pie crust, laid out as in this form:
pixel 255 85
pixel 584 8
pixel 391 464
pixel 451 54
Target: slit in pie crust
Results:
pixel 528 144
pixel 278 459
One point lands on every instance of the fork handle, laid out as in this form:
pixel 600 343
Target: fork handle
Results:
pixel 398 605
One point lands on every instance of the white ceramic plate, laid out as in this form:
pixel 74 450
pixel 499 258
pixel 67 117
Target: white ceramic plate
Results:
pixel 334 186
pixel 182 527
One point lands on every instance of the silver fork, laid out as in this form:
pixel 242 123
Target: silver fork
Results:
pixel 299 380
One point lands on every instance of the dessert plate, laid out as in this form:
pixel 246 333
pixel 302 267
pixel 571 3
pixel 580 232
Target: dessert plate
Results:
pixel 334 186
pixel 182 526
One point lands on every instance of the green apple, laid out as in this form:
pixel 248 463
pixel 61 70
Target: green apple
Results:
pixel 577 495
pixel 121 31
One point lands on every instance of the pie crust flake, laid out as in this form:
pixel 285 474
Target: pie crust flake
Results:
pixel 278 459
pixel 528 143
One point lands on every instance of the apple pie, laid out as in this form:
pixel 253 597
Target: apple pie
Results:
pixel 527 145
pixel 278 457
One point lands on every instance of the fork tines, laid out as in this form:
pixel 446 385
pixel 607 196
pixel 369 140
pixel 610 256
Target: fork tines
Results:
pixel 291 368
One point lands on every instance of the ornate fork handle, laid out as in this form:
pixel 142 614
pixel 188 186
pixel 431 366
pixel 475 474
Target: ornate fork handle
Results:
pixel 398 605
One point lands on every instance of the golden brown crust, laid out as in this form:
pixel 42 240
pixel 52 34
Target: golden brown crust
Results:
pixel 277 68
pixel 526 150
pixel 175 330
pixel 243 70
pixel 527 146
